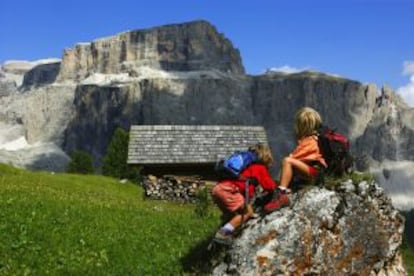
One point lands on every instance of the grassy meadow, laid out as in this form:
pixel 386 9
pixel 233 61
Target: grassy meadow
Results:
pixel 67 224
pixel 92 225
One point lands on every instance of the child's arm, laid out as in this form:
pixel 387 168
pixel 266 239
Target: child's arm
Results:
pixel 266 181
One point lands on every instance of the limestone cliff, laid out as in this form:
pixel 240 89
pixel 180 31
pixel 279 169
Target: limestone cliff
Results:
pixel 344 104
pixel 41 75
pixel 179 47
pixel 350 230
pixel 268 100
pixel 6 86
pixel 388 143
pixel 191 74
pixel 99 110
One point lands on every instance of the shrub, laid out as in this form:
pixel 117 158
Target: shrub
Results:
pixel 81 163
pixel 202 208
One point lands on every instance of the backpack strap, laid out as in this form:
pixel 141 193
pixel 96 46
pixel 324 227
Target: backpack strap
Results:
pixel 246 193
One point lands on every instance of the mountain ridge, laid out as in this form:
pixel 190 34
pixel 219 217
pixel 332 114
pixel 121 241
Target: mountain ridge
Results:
pixel 190 73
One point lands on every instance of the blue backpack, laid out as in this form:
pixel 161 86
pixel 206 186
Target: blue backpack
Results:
pixel 231 166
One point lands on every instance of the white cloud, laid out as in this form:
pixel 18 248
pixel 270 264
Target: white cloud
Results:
pixel 407 91
pixel 408 67
pixel 287 69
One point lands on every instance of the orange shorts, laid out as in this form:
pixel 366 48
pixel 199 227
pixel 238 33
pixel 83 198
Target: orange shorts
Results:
pixel 227 196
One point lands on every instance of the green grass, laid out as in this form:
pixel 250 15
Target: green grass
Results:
pixel 92 225
pixel 408 257
pixel 65 224
pixel 407 247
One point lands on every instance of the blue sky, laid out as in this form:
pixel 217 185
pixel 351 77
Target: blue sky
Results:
pixel 364 40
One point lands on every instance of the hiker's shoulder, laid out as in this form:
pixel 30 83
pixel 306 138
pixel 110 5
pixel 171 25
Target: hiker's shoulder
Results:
pixel 257 166
pixel 309 139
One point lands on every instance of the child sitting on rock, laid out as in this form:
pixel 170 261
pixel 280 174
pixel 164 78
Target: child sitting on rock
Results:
pixel 306 160
pixel 229 194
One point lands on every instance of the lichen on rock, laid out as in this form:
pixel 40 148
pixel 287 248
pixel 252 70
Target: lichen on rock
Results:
pixel 341 231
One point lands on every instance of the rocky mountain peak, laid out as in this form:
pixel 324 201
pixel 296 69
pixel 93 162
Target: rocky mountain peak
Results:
pixel 188 46
pixel 191 74
pixel 351 229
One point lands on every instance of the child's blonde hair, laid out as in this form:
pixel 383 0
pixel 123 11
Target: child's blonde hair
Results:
pixel 307 122
pixel 263 153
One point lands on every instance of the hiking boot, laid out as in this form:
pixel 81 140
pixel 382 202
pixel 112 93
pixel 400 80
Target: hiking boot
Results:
pixel 223 237
pixel 283 192
pixel 256 215
pixel 280 201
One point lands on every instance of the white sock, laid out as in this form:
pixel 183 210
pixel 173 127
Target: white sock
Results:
pixel 228 228
pixel 282 188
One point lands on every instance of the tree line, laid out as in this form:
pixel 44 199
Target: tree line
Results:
pixel 114 162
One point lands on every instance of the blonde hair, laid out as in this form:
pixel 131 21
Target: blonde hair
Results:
pixel 307 122
pixel 263 153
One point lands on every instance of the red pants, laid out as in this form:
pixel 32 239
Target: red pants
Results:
pixel 227 196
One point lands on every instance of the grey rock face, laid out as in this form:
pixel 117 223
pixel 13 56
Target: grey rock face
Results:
pixel 191 74
pixel 17 67
pixel 270 101
pixel 324 232
pixel 10 78
pixel 343 104
pixel 46 113
pixel 7 87
pixel 388 144
pixel 99 110
pixel 179 47
pixel 41 75
pixel 45 156
pixel 390 134
pixel 32 127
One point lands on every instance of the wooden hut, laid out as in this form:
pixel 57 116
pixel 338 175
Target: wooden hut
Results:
pixel 188 149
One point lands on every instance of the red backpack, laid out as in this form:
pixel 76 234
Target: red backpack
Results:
pixel 335 150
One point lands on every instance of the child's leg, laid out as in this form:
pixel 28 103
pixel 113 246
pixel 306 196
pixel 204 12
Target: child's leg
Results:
pixel 288 165
pixel 225 233
pixel 238 219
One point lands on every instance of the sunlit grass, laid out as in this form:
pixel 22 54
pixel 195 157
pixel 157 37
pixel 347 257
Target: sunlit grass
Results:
pixel 71 224
pixel 408 257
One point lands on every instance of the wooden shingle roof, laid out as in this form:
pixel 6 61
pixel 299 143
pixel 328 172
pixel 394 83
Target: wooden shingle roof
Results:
pixel 184 144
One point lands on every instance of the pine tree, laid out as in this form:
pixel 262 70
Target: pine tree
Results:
pixel 115 160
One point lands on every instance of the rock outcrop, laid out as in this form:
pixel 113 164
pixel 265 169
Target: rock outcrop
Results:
pixel 388 142
pixel 6 86
pixel 390 133
pixel 11 76
pixel 40 75
pixel 17 67
pixel 178 47
pixel 350 230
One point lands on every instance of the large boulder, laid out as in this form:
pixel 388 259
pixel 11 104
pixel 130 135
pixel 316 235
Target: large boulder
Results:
pixel 352 229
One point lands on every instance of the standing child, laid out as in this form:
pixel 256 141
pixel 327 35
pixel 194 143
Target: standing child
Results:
pixel 306 159
pixel 229 194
